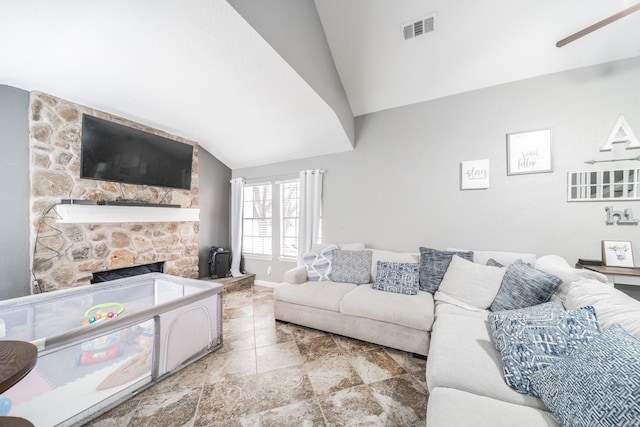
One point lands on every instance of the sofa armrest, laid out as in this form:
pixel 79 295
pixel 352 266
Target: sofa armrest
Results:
pixel 296 275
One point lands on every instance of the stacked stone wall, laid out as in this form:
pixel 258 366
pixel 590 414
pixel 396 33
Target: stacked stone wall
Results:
pixel 66 255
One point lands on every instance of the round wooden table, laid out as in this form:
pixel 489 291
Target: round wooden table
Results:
pixel 17 359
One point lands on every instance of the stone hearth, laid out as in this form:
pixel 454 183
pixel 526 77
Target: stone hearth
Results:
pixel 233 284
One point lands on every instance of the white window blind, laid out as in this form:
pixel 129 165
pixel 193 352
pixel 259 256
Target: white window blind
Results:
pixel 257 219
pixel 289 218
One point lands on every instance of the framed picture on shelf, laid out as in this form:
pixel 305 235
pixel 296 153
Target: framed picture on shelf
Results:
pixel 529 152
pixel 616 253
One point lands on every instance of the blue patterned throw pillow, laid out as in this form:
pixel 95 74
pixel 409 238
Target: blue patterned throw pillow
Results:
pixel 598 385
pixel 536 313
pixel 433 265
pixel 351 267
pixel 528 344
pixel 397 277
pixel 318 264
pixel 524 286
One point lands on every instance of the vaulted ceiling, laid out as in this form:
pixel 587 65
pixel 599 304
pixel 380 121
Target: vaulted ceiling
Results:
pixel 251 82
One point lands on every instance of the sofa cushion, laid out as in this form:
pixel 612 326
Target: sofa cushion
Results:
pixel 504 258
pixel 397 277
pixel 324 295
pixel 351 267
pixel 530 345
pixel 462 356
pixel 600 381
pixel 612 305
pixel 449 407
pixel 433 265
pixel 358 246
pixel 389 256
pixel 470 283
pixel 318 263
pixel 413 311
pixel 444 308
pixel 524 286
pixel 559 267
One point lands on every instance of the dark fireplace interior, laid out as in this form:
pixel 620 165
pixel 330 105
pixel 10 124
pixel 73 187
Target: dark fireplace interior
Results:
pixel 106 276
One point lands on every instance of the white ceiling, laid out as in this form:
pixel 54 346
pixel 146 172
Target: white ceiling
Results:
pixel 476 44
pixel 195 68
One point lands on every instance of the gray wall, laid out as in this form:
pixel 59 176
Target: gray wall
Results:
pixel 294 30
pixel 14 193
pixel 399 189
pixel 214 185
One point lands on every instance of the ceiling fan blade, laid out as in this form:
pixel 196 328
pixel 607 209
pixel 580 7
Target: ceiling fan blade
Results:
pixel 598 25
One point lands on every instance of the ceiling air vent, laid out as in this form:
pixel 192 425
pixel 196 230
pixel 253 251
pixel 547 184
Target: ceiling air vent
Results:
pixel 419 28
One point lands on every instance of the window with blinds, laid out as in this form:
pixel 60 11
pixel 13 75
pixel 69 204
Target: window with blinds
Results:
pixel 289 218
pixel 257 219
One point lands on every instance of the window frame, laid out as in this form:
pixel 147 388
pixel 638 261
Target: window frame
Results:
pixel 281 188
pixel 257 255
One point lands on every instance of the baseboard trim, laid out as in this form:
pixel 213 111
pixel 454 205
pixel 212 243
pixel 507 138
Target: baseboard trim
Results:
pixel 267 284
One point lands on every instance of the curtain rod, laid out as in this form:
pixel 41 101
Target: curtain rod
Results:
pixel 275 177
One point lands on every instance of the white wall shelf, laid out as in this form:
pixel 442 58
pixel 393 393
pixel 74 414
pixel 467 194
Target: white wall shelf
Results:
pixel 96 214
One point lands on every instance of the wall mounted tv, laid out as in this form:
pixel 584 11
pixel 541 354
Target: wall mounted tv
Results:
pixel 114 152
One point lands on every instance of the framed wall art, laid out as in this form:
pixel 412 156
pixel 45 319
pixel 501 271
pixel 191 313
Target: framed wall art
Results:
pixel 474 175
pixel 616 253
pixel 529 152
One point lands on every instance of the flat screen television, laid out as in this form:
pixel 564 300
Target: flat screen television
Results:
pixel 114 152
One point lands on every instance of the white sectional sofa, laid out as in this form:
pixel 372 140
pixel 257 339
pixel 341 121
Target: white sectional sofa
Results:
pixel 389 319
pixel 465 372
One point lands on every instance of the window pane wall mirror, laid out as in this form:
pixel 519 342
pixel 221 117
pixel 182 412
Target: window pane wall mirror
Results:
pixel 607 185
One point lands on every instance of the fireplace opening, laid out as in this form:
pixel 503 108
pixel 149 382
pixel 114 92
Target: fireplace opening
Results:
pixel 108 275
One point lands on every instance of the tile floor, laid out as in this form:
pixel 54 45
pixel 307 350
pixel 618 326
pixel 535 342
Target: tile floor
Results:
pixel 274 374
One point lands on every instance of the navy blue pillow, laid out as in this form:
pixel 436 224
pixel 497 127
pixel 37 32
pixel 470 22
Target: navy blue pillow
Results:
pixel 433 265
pixel 397 277
pixel 524 286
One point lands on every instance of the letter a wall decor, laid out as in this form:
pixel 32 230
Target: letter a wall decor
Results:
pixel 621 132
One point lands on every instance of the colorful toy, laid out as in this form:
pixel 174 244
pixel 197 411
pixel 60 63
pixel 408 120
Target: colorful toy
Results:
pixel 93 318
pixel 103 348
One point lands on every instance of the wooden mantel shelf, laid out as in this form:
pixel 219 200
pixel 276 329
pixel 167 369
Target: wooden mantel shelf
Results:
pixel 96 214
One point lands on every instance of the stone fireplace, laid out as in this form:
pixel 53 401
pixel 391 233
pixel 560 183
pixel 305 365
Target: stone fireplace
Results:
pixel 66 254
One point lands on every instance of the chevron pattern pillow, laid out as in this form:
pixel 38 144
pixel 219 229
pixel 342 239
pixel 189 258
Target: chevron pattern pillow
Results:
pixel 598 385
pixel 318 264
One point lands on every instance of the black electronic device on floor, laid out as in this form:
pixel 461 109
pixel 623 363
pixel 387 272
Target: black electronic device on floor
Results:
pixel 219 263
